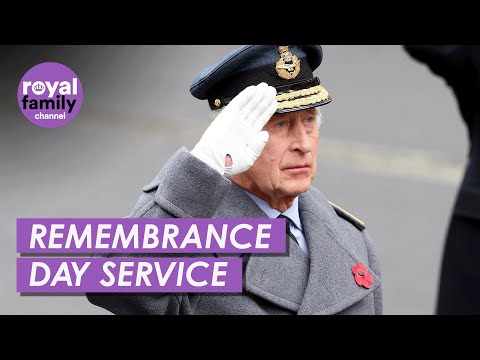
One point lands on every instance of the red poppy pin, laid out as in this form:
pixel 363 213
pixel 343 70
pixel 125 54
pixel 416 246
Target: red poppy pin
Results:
pixel 362 275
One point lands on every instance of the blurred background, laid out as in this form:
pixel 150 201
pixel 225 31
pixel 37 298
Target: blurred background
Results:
pixel 392 152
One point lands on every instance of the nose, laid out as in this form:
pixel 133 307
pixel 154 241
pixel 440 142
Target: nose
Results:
pixel 300 139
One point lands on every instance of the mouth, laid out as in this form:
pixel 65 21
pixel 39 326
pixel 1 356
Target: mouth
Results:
pixel 299 169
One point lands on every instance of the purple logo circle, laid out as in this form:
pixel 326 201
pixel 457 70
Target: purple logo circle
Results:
pixel 50 95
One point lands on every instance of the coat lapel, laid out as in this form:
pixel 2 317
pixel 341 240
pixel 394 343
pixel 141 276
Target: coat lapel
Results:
pixel 331 286
pixel 279 279
pixel 323 284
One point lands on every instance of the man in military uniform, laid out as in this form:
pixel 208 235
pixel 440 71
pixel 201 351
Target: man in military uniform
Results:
pixel 257 159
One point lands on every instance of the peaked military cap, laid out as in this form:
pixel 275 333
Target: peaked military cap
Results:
pixel 288 68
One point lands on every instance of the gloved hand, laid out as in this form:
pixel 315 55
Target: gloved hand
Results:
pixel 237 131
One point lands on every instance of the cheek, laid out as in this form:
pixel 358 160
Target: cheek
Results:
pixel 269 160
pixel 315 148
pixel 273 154
pixel 314 154
pixel 315 138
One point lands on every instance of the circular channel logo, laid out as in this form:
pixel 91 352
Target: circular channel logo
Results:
pixel 50 95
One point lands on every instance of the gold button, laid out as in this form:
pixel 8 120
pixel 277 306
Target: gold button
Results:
pixel 217 103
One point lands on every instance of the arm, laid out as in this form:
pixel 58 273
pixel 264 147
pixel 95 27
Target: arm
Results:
pixel 192 185
pixel 185 187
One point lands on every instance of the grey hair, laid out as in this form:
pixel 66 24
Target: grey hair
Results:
pixel 319 115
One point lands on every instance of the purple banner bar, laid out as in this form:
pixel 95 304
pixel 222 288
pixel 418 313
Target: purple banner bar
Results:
pixel 64 275
pixel 165 235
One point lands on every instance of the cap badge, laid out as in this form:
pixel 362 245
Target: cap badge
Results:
pixel 288 66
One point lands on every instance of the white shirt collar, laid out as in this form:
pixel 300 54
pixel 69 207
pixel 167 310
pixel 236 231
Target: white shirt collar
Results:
pixel 292 212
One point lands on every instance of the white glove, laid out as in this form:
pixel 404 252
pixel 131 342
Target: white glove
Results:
pixel 237 131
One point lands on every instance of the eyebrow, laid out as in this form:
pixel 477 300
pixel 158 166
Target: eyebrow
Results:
pixel 310 112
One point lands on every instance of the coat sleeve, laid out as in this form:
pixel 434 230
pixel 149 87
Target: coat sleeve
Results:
pixel 184 188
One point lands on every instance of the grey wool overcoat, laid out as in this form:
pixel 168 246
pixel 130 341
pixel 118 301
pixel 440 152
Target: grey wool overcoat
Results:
pixel 295 284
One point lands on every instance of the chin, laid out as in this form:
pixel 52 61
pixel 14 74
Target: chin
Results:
pixel 298 188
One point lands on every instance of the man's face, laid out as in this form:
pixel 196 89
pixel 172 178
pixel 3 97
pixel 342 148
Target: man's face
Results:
pixel 287 165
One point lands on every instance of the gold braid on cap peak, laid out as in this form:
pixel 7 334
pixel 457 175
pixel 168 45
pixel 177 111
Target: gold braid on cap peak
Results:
pixel 302 97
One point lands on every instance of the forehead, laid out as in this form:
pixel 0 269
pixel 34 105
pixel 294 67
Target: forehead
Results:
pixel 294 114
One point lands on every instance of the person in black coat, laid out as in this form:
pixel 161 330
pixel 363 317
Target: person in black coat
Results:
pixel 459 290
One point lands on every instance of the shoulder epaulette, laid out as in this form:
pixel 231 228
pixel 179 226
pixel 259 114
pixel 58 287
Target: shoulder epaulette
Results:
pixel 359 224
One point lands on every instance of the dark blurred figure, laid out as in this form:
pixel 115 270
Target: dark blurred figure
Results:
pixel 459 291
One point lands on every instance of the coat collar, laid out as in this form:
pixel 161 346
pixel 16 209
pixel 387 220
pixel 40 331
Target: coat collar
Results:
pixel 323 284
pixel 267 275
pixel 331 285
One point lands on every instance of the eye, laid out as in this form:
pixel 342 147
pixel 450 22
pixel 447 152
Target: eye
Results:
pixel 280 124
pixel 310 119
